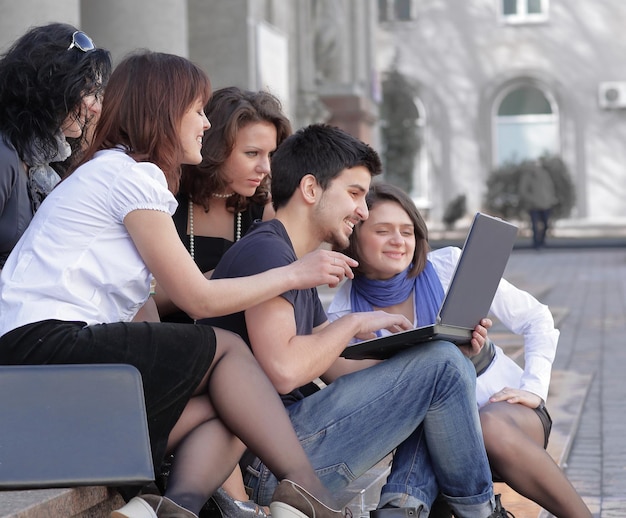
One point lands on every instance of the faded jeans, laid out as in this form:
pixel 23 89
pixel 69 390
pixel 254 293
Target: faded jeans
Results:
pixel 420 403
pixel 540 221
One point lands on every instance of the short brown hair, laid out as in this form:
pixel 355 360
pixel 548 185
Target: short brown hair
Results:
pixel 380 192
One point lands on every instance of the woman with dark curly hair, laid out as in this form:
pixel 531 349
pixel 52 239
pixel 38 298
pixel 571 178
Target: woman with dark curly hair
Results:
pixel 220 198
pixel 51 84
pixel 218 201
pixel 84 265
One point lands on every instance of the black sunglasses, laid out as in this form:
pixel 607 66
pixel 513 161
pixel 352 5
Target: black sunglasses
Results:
pixel 82 42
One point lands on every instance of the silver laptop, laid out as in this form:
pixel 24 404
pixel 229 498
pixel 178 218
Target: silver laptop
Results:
pixel 485 253
pixel 73 425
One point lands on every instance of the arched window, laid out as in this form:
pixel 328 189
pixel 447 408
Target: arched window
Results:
pixel 527 125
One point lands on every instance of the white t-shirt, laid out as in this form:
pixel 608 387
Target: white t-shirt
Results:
pixel 76 260
pixel 519 311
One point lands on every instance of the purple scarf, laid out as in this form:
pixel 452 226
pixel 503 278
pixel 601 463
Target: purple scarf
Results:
pixel 366 294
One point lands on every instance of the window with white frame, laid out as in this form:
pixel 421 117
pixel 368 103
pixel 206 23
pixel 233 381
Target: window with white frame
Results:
pixel 526 125
pixel 524 11
pixel 398 10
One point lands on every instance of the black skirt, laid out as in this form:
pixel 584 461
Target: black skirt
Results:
pixel 172 360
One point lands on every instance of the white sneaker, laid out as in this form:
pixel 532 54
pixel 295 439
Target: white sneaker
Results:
pixel 152 506
pixel 135 508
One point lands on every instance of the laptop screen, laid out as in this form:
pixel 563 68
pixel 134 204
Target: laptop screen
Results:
pixel 475 280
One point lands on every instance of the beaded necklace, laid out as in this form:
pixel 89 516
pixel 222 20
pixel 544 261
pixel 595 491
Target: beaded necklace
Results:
pixel 192 236
pixel 192 239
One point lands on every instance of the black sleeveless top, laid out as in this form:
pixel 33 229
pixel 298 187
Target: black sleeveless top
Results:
pixel 208 250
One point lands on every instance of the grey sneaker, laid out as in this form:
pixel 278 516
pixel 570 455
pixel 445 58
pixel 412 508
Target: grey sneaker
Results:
pixel 292 501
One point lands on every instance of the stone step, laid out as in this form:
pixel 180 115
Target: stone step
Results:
pixel 78 502
pixel 363 494
pixel 568 391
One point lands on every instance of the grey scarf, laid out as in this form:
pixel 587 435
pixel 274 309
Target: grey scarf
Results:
pixel 41 177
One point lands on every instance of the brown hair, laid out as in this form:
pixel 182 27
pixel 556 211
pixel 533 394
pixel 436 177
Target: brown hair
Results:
pixel 145 100
pixel 381 192
pixel 229 110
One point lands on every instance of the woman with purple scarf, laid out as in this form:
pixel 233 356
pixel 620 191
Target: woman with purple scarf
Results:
pixel 398 273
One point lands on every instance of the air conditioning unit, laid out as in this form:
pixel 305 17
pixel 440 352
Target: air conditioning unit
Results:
pixel 612 95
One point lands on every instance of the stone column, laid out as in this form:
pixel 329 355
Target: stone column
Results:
pixel 345 65
pixel 18 16
pixel 221 41
pixel 353 113
pixel 122 26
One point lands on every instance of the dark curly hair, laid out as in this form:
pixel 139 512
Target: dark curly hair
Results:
pixel 42 81
pixel 229 110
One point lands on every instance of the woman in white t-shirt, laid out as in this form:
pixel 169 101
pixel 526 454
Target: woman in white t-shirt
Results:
pixel 84 266
pixel 398 273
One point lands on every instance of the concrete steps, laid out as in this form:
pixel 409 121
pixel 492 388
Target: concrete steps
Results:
pixel 363 494
pixel 568 391
pixel 79 502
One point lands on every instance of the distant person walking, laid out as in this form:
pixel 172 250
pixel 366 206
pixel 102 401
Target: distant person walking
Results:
pixel 538 197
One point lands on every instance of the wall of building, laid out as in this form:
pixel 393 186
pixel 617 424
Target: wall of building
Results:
pixel 122 26
pixel 17 17
pixel 461 57
pixel 324 59
pixel 315 55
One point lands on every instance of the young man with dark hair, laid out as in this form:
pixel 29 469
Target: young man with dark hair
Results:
pixel 420 403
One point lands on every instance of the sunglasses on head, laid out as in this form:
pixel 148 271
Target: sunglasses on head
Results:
pixel 82 42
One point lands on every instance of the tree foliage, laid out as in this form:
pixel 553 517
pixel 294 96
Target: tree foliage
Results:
pixel 455 210
pixel 502 197
pixel 399 129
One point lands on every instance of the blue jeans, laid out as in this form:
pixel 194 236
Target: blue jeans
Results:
pixel 420 403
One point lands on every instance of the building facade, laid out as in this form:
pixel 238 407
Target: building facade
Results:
pixel 317 56
pixel 495 80
pixel 505 80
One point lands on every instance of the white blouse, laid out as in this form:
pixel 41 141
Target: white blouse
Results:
pixel 76 260
pixel 519 311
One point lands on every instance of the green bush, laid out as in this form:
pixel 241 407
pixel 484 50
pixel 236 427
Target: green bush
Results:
pixel 400 138
pixel 502 197
pixel 454 211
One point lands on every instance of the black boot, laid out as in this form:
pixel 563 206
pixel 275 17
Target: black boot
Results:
pixel 499 511
pixel 397 512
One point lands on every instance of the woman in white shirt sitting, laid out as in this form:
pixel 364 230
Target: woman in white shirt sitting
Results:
pixel 398 273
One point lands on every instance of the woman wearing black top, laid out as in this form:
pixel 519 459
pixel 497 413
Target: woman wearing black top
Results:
pixel 218 202
pixel 220 198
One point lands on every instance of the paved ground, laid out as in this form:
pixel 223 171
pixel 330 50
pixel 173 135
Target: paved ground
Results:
pixel 590 284
pixel 583 278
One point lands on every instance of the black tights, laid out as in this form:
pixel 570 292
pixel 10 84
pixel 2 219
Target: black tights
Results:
pixel 234 400
pixel 514 439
